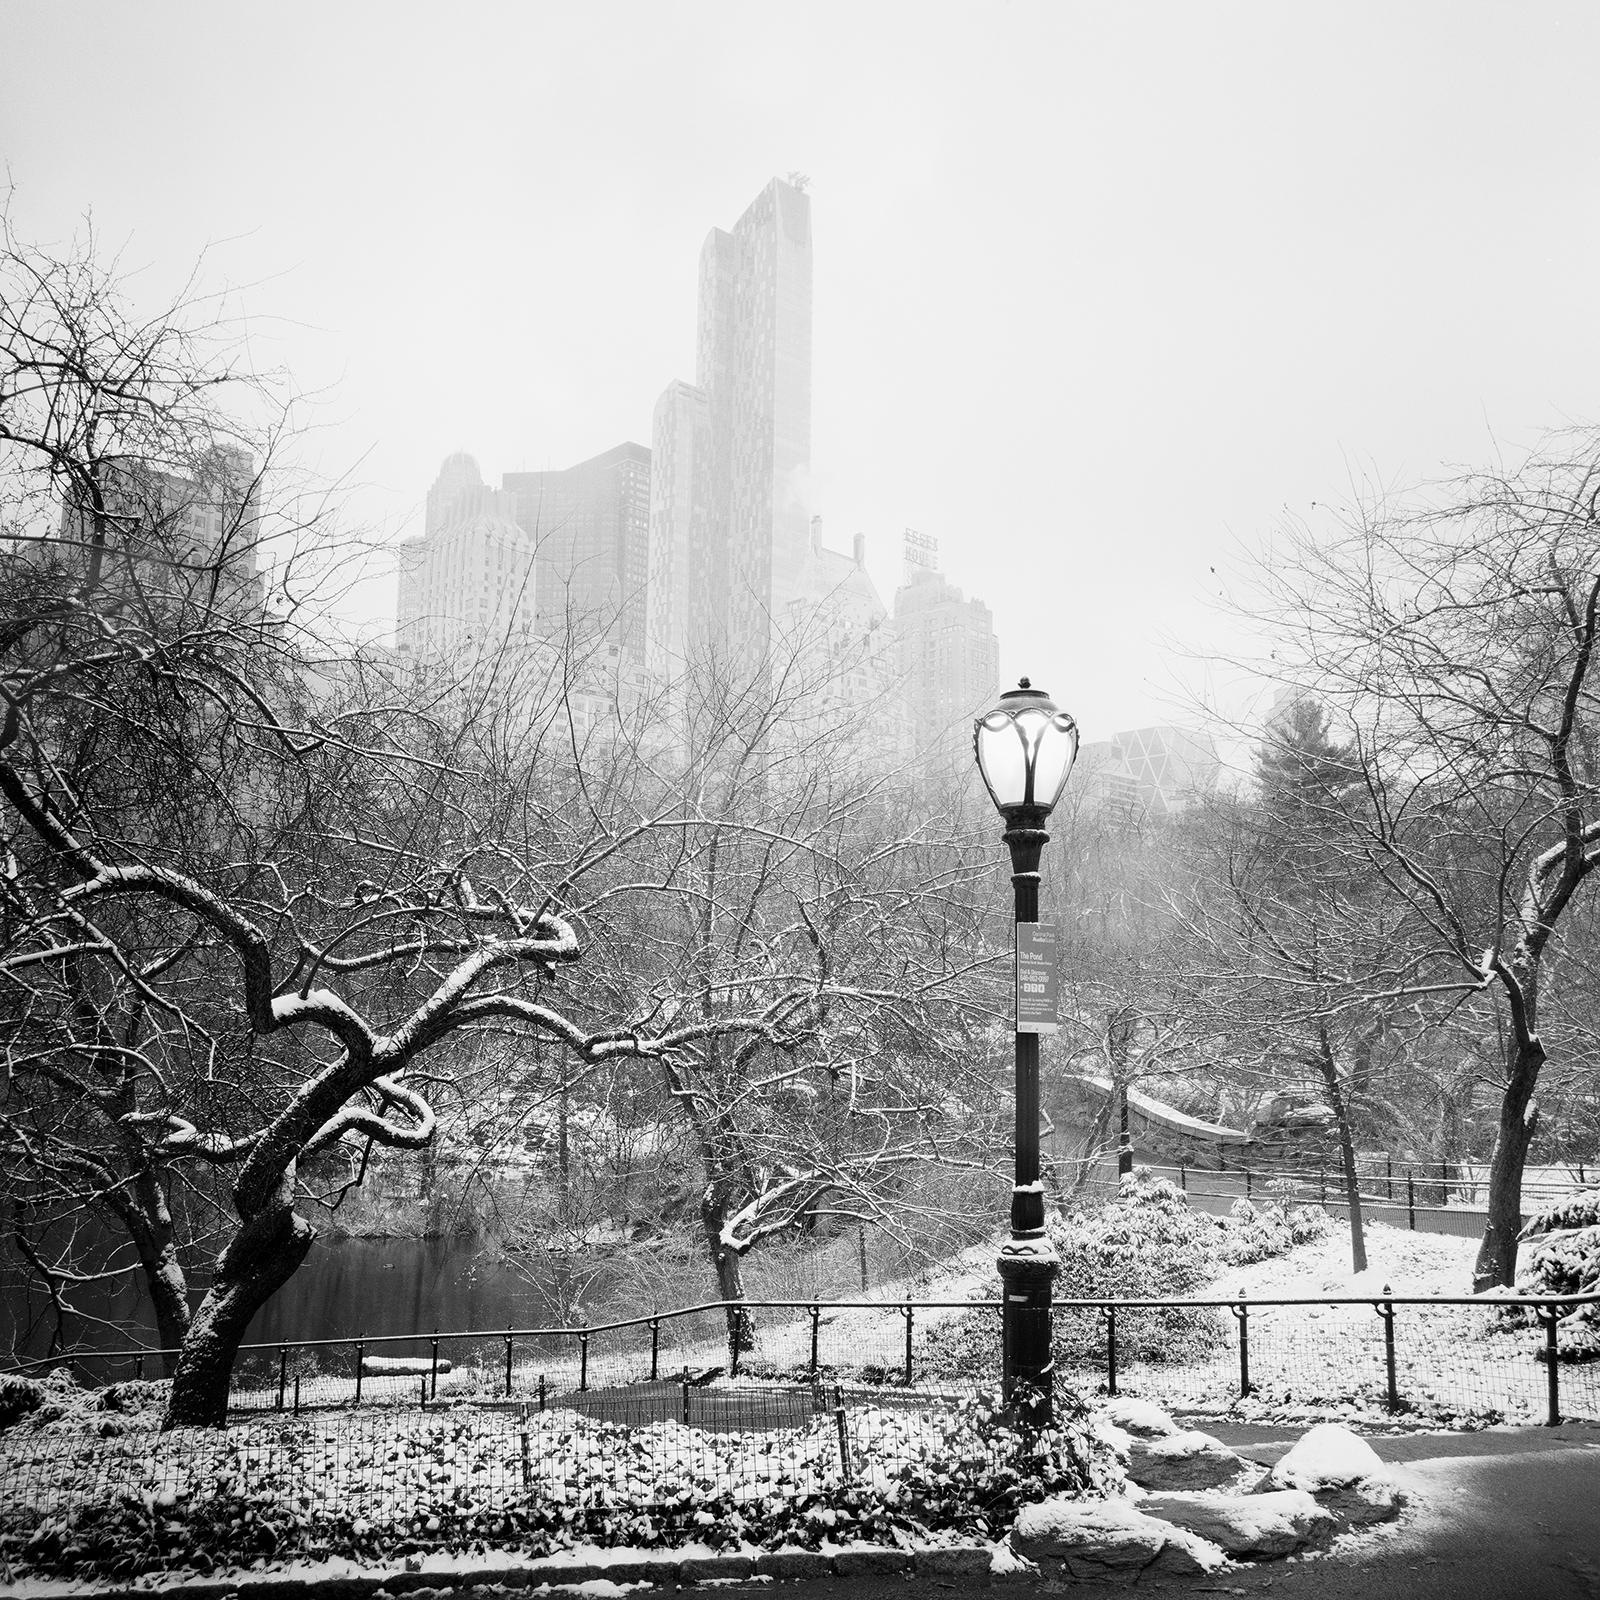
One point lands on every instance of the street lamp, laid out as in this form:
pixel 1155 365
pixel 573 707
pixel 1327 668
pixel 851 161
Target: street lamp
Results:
pixel 1025 748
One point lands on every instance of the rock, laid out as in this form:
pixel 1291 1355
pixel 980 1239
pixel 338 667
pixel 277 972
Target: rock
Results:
pixel 1139 1417
pixel 1187 1555
pixel 1255 1527
pixel 857 1560
pixel 1100 1538
pixel 953 1560
pixel 1342 1472
pixel 793 1562
pixel 1186 1460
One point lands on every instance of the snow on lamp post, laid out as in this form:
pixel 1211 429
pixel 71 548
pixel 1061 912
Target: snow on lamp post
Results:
pixel 1025 747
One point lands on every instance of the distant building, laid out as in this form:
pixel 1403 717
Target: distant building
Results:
pixel 190 526
pixel 590 526
pixel 688 567
pixel 731 516
pixel 947 659
pixel 838 623
pixel 468 583
pixel 1148 772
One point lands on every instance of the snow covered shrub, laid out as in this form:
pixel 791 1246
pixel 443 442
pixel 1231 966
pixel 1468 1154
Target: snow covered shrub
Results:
pixel 1145 1245
pixel 1565 1259
pixel 988 1466
pixel 19 1396
pixel 1258 1234
pixel 386 1483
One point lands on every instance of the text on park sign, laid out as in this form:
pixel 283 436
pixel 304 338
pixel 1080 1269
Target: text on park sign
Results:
pixel 1037 986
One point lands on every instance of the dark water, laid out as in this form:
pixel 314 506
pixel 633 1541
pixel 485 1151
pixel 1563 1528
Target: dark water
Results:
pixel 347 1287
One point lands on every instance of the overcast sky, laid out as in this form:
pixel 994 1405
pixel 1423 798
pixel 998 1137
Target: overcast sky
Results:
pixel 1100 289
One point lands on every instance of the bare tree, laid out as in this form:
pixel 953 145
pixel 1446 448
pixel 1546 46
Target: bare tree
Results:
pixel 1454 647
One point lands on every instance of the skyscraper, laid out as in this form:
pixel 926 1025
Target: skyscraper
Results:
pixel 731 515
pixel 590 526
pixel 468 582
pixel 946 655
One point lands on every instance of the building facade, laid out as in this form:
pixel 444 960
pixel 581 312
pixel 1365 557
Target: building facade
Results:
pixel 731 517
pixel 947 659
pixel 468 584
pixel 590 527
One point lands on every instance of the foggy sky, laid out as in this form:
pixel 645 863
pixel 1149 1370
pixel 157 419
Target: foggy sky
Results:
pixel 1100 290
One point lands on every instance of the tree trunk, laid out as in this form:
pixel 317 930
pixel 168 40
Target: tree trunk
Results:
pixel 169 1294
pixel 1124 1135
pixel 728 1265
pixel 1347 1152
pixel 1496 1266
pixel 147 1216
pixel 257 1262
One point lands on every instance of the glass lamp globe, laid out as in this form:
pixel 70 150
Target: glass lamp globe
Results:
pixel 1025 746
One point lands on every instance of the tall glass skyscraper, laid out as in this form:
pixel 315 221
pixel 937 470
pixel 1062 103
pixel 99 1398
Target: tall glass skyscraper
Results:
pixel 731 514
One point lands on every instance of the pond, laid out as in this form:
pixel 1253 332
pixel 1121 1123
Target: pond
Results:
pixel 346 1287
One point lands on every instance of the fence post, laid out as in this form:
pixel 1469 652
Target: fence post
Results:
pixel 138 1366
pixel 1549 1316
pixel 1388 1176
pixel 655 1347
pixel 297 1394
pixel 844 1433
pixel 1110 1314
pixel 358 1372
pixel 1242 1312
pixel 583 1362
pixel 1411 1201
pixel 508 1364
pixel 283 1372
pixel 816 1318
pixel 527 1471
pixel 909 1314
pixel 1385 1309
pixel 434 1383
pixel 685 1402
pixel 422 1378
pixel 541 1391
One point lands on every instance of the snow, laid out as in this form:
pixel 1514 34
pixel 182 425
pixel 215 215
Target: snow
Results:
pixel 1328 1457
pixel 1143 1417
pixel 1170 1116
pixel 1399 1262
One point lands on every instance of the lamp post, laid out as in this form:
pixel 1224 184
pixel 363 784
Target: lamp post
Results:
pixel 1025 747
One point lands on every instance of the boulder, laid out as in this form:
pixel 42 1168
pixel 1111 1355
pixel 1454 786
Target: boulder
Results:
pixel 1254 1527
pixel 1185 1460
pixel 1342 1472
pixel 1141 1418
pixel 1106 1538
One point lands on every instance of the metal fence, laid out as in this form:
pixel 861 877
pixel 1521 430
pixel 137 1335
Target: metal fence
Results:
pixel 1420 1200
pixel 724 1367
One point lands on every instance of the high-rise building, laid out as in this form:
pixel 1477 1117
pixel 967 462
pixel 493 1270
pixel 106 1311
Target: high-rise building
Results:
pixel 946 656
pixel 468 583
pixel 590 525
pixel 1147 773
pixel 184 530
pixel 733 511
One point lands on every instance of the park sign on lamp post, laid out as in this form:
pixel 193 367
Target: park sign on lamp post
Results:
pixel 1038 1004
pixel 1025 747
